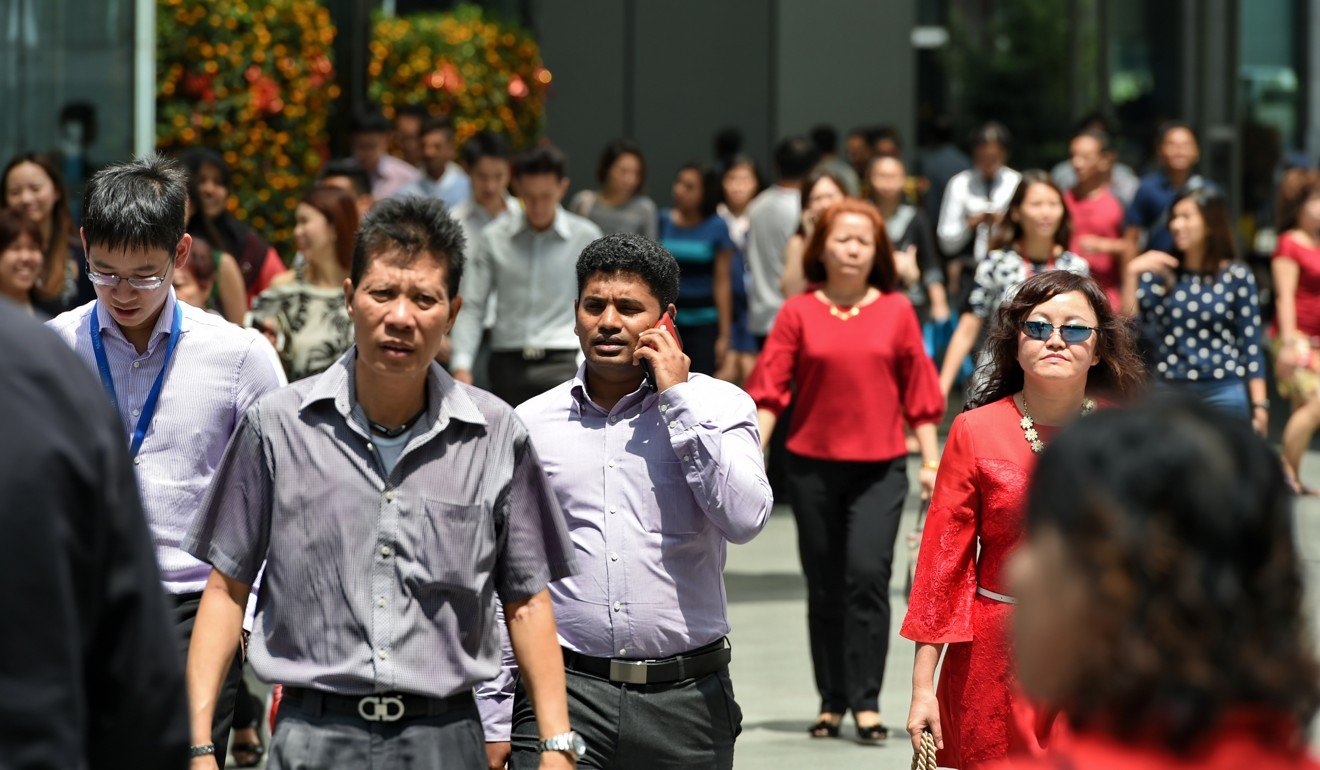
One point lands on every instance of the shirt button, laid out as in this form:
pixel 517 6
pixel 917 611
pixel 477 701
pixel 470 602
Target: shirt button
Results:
pixel 137 412
pixel 137 364
pixel 664 408
pixel 614 556
pixel 382 654
pixel 385 551
pixel 371 447
pixel 613 509
pixel 672 424
pixel 137 460
pixel 614 420
pixel 380 602
pixel 611 463
pixel 618 606
pixel 390 495
pixel 623 651
pixel 686 458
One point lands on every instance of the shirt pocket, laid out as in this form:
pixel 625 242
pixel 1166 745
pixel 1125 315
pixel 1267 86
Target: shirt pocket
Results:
pixel 666 506
pixel 453 546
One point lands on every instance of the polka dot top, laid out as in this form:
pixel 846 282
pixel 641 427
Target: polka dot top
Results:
pixel 1207 328
pixel 1001 272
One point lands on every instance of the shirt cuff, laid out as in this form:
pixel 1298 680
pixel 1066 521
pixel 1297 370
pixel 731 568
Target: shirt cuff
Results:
pixel 676 410
pixel 496 717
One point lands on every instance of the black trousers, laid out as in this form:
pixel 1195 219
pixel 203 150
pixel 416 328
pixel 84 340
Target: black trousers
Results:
pixel 686 725
pixel 847 517
pixel 185 614
pixel 515 379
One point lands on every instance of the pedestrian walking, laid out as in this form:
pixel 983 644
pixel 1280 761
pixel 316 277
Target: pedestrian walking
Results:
pixel 620 205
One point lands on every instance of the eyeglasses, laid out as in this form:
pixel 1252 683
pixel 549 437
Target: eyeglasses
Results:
pixel 1070 333
pixel 141 284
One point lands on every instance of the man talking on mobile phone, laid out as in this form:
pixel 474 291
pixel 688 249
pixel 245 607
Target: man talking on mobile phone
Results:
pixel 654 481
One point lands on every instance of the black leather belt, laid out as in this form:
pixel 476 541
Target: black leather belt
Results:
pixel 381 707
pixel 538 354
pixel 689 665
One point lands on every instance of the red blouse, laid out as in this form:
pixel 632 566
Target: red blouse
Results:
pixel 1308 282
pixel 857 379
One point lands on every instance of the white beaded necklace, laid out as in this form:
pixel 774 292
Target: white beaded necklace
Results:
pixel 1029 425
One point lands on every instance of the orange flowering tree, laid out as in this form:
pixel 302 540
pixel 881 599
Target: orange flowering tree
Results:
pixel 483 73
pixel 253 80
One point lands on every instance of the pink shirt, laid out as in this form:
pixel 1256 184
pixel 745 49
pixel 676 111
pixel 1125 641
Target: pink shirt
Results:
pixel 1100 214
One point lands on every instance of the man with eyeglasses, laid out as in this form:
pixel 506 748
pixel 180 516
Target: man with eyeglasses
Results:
pixel 179 377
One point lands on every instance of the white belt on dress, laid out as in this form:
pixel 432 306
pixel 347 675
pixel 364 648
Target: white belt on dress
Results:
pixel 987 593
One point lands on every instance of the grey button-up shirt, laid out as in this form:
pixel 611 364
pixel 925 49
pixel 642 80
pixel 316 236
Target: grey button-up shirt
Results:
pixel 376 581
pixel 535 274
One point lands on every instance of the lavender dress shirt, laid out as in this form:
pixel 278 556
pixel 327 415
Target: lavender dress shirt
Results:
pixel 218 371
pixel 652 491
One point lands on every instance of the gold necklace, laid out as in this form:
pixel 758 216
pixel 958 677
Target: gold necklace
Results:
pixel 844 315
pixel 1029 425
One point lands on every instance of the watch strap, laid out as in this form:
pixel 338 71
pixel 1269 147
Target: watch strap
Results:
pixel 202 750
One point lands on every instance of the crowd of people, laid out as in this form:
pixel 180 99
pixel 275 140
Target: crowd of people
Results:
pixel 473 428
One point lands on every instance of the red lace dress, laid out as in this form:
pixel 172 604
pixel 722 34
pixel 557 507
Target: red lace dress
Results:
pixel 980 495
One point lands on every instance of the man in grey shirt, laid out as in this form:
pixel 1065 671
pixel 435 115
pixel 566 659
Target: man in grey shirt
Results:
pixel 389 505
pixel 774 217
pixel 528 258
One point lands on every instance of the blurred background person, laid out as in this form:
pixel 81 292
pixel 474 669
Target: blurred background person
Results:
pixel 441 177
pixel 821 190
pixel 369 141
pixel 1296 272
pixel 1054 348
pixel 408 120
pixel 194 283
pixel 348 176
pixel 1146 221
pixel 1131 559
pixel 939 160
pixel 226 294
pixel 1200 311
pixel 920 268
pixel 20 259
pixel 826 140
pixel 1096 212
pixel 975 199
pixel 1033 238
pixel 773 217
pixel 619 206
pixel 32 185
pixel 303 312
pixel 858 147
pixel 1120 177
pixel 850 356
pixel 740 183
pixel 699 240
pixel 208 176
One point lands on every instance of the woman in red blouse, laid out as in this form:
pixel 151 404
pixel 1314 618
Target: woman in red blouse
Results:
pixel 1162 597
pixel 1296 273
pixel 1053 347
pixel 852 350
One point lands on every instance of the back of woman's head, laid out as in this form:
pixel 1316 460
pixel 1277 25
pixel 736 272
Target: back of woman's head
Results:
pixel 1120 373
pixel 1220 247
pixel 1011 230
pixel 1177 523
pixel 340 209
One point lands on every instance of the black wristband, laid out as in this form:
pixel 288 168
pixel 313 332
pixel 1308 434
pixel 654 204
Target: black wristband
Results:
pixel 204 750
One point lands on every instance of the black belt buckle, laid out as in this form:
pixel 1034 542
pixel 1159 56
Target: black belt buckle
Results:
pixel 629 671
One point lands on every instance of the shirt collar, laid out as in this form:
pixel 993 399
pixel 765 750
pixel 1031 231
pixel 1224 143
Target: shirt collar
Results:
pixel 582 400
pixel 163 323
pixel 446 400
pixel 559 226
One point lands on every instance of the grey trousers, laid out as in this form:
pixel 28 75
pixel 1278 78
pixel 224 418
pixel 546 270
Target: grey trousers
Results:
pixel 451 741
pixel 690 724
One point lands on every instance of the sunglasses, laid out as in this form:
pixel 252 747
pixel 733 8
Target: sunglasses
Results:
pixel 1070 333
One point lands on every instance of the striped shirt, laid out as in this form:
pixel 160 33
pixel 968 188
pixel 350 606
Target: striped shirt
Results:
pixel 219 370
pixel 381 580
pixel 695 249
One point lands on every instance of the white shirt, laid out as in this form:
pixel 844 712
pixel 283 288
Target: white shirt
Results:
pixel 968 194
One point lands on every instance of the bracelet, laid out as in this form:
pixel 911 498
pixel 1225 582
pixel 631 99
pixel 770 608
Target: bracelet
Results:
pixel 930 465
pixel 1261 405
pixel 203 750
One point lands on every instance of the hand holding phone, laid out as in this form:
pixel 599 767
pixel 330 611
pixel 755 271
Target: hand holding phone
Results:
pixel 666 348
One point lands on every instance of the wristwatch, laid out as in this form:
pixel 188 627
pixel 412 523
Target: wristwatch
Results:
pixel 569 742
pixel 1261 404
pixel 203 750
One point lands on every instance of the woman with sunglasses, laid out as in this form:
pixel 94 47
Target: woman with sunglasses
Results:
pixel 1033 238
pixel 1054 348
pixel 1199 310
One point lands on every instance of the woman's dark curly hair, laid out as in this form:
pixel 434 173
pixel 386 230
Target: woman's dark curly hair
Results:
pixel 1120 373
pixel 1179 522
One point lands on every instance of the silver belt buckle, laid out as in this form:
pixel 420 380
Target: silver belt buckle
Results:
pixel 376 708
pixel 628 671
pixel 533 354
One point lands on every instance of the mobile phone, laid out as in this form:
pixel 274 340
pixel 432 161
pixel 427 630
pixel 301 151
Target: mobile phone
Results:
pixel 666 322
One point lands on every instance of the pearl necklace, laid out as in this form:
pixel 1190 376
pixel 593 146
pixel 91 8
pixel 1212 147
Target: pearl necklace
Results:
pixel 1028 425
pixel 844 315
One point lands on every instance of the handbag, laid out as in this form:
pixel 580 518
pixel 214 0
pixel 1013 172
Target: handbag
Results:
pixel 924 757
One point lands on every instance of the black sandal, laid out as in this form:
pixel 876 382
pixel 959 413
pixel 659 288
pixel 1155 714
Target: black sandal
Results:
pixel 253 752
pixel 872 735
pixel 825 729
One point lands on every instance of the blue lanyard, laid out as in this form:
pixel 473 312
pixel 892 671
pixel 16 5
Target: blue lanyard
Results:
pixel 153 397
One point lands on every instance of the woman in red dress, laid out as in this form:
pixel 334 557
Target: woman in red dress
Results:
pixel 1056 341
pixel 1161 598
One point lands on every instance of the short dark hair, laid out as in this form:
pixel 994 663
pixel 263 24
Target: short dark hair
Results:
pixel 826 139
pixel 542 159
pixel 369 122
pixel 14 224
pixel 1106 143
pixel 712 190
pixel 1164 129
pixel 884 132
pixel 437 123
pixel 136 205
pixel 795 157
pixel 195 158
pixel 1179 522
pixel 1220 245
pixel 411 226
pixel 631 253
pixel 991 132
pixel 484 144
pixel 350 170
pixel 411 111
pixel 617 149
